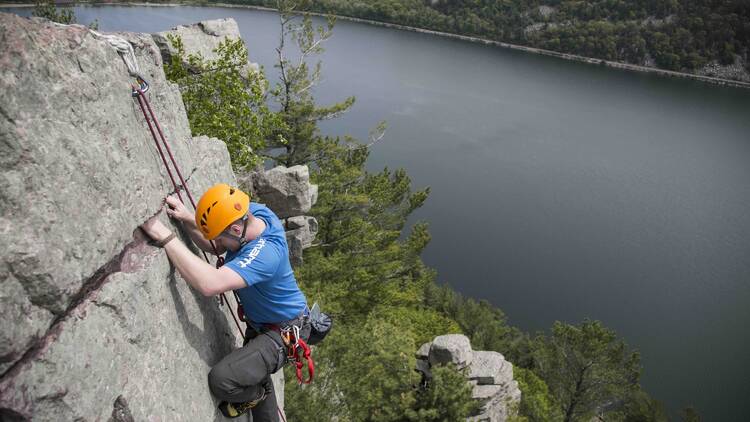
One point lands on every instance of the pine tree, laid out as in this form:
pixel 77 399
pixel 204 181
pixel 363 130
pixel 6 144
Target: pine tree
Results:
pixel 587 369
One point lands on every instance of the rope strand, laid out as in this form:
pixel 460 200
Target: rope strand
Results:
pixel 144 104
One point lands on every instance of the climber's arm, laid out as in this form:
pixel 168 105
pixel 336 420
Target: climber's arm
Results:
pixel 199 274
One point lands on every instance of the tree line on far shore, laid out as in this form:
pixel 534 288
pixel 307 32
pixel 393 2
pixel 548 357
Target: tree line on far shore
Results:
pixel 679 35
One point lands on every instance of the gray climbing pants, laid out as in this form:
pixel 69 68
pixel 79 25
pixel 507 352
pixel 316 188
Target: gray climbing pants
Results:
pixel 244 374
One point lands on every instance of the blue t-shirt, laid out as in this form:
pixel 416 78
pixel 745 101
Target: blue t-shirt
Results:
pixel 272 294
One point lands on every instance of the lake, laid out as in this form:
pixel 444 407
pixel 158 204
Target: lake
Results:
pixel 560 190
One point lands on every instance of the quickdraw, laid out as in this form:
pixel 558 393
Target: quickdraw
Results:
pixel 294 344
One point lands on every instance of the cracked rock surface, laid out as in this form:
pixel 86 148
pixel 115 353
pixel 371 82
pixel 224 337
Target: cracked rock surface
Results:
pixel 96 323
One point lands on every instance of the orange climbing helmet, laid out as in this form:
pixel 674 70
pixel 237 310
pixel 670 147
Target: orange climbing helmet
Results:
pixel 219 207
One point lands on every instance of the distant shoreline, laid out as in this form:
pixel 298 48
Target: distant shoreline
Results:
pixel 478 40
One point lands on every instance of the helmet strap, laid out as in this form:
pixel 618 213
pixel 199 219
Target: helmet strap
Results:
pixel 241 238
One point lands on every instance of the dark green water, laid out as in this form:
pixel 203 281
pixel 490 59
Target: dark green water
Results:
pixel 560 191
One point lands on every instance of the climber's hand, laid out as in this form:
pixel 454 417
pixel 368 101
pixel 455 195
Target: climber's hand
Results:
pixel 155 229
pixel 177 210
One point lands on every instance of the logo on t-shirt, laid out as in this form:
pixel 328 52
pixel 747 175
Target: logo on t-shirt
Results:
pixel 253 253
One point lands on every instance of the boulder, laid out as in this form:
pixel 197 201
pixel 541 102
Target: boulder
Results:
pixel 287 191
pixel 303 227
pixel 499 404
pixel 300 234
pixel 490 368
pixel 490 375
pixel 201 38
pixel 423 353
pixel 451 348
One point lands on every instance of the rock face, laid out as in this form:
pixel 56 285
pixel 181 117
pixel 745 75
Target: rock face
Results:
pixel 451 348
pixel 288 192
pixel 300 234
pixel 285 190
pixel 201 38
pixel 96 323
pixel 489 373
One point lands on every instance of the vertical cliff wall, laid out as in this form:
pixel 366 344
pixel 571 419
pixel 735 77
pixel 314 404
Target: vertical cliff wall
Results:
pixel 90 311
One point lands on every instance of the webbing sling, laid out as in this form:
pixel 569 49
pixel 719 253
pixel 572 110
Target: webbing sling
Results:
pixel 144 104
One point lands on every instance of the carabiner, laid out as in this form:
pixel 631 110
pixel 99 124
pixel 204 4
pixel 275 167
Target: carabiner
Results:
pixel 144 86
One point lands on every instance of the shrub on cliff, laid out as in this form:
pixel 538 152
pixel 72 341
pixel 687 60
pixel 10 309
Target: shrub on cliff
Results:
pixel 225 99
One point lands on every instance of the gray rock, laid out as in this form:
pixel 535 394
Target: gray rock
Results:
pixel 80 169
pixel 423 353
pixel 202 39
pixel 301 231
pixel 485 392
pixel 295 250
pixel 499 402
pixel 490 368
pixel 303 227
pixel 287 191
pixel 490 375
pixel 144 329
pixel 451 348
pixel 97 325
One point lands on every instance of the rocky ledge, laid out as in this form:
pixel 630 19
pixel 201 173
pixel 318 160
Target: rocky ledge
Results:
pixel 489 373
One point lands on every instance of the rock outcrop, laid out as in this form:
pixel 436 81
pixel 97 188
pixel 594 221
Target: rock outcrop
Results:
pixel 289 193
pixel 286 190
pixel 489 373
pixel 96 323
pixel 202 39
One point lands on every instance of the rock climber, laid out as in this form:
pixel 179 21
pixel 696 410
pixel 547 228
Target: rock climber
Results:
pixel 257 268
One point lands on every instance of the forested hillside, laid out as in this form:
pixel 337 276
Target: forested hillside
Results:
pixel 708 37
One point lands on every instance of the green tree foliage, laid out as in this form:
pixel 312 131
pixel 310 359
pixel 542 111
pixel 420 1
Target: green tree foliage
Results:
pixel 368 375
pixel 297 108
pixel 537 403
pixel 676 34
pixel 225 98
pixel 447 397
pixel 362 269
pixel 586 368
pixel 48 10
pixel 689 414
pixel 639 407
pixel 484 324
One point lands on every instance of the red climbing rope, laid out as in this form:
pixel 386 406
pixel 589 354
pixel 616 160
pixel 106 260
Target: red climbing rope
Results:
pixel 138 93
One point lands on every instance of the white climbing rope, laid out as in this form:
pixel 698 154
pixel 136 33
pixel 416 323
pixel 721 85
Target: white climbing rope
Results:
pixel 124 48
